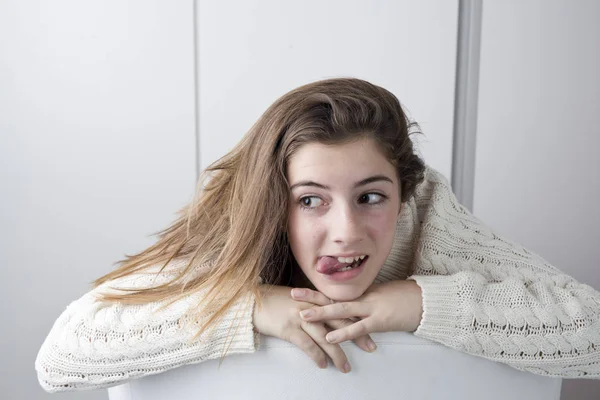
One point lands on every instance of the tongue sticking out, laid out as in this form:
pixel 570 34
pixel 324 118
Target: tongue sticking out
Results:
pixel 329 265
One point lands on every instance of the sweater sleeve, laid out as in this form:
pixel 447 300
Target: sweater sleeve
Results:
pixel 96 345
pixel 488 296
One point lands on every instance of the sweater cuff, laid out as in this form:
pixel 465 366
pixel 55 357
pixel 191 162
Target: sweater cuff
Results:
pixel 248 340
pixel 443 314
pixel 236 332
pixel 255 332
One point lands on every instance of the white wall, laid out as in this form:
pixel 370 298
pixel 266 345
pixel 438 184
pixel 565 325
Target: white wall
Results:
pixel 537 164
pixel 252 53
pixel 97 152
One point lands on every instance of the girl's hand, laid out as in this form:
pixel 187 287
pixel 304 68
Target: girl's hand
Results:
pixel 279 317
pixel 315 297
pixel 384 307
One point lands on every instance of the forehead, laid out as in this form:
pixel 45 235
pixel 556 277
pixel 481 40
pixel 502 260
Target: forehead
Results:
pixel 339 164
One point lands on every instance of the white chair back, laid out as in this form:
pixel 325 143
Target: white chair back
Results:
pixel 403 367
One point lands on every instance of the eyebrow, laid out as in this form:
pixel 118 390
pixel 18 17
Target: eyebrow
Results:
pixel 375 178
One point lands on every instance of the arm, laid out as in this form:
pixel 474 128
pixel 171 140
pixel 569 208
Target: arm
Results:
pixel 490 297
pixel 94 345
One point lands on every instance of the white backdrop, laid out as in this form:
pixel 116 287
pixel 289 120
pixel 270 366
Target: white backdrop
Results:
pixel 97 152
pixel 252 52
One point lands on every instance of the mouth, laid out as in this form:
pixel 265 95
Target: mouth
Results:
pixel 352 266
pixel 336 271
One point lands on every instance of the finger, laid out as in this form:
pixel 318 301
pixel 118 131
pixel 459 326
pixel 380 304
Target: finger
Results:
pixel 364 342
pixel 310 296
pixel 350 332
pixel 335 311
pixel 305 343
pixel 317 331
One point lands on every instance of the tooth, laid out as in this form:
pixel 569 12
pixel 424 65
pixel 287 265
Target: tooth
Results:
pixel 348 260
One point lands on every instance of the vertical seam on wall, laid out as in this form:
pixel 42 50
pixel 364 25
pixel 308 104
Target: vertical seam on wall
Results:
pixel 465 100
pixel 196 89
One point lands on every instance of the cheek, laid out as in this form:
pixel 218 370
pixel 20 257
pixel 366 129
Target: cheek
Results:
pixel 302 234
pixel 382 225
pixel 382 228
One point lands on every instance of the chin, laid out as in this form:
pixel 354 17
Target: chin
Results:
pixel 341 293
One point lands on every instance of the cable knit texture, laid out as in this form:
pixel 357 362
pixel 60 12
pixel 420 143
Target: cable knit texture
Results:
pixel 94 345
pixel 482 294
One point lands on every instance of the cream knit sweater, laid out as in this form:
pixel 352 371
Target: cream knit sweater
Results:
pixel 482 294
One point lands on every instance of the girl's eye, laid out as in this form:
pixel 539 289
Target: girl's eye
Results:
pixel 308 204
pixel 377 195
pixel 305 202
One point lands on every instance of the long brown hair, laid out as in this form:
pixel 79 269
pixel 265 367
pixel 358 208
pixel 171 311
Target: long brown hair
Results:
pixel 233 231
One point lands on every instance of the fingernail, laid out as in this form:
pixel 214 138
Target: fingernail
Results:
pixel 331 337
pixel 298 292
pixel 347 367
pixel 371 345
pixel 306 313
pixel 323 364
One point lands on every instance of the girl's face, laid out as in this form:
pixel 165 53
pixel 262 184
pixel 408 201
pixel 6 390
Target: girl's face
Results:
pixel 344 202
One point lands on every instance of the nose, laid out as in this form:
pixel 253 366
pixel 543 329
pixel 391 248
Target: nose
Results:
pixel 346 226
